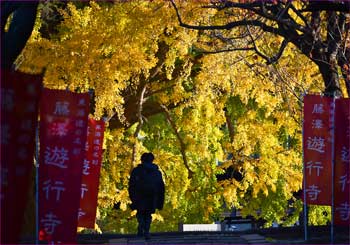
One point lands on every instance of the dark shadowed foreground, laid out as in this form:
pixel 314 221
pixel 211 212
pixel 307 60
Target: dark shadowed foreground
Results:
pixel 288 235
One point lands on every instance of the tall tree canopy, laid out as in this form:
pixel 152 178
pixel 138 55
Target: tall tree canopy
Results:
pixel 200 111
pixel 319 30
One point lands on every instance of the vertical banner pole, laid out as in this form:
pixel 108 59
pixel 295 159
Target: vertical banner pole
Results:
pixel 304 181
pixel 305 213
pixel 37 186
pixel 333 166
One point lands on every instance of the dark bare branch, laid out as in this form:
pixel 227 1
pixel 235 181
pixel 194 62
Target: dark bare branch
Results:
pixel 229 4
pixel 341 6
pixel 261 8
pixel 273 59
pixel 321 37
pixel 299 14
pixel 230 126
pixel 227 26
pixel 224 50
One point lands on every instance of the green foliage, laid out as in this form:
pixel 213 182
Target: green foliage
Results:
pixel 319 215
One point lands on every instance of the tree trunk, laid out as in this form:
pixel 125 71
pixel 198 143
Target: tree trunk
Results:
pixel 20 29
pixel 331 80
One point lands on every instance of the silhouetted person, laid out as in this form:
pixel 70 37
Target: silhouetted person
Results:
pixel 146 191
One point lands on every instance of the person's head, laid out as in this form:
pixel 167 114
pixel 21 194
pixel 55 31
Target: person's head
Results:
pixel 147 157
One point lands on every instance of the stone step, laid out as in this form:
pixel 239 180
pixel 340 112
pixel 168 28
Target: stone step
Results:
pixel 194 239
pixel 284 235
pixel 254 239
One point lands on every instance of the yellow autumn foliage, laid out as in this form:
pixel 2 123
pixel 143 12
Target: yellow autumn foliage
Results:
pixel 111 49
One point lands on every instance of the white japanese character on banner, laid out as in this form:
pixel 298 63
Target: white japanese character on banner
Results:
pixel 57 186
pixel 83 189
pixel 61 108
pixel 56 157
pixel 5 134
pixel 98 127
pixel 316 144
pixel 344 180
pixel 98 134
pixel 318 109
pixel 97 141
pixel 81 213
pixel 314 165
pixel 59 129
pixel 94 162
pixel 50 222
pixel 7 99
pixel 86 167
pixel 344 154
pixel 313 192
pixel 344 211
pixel 317 124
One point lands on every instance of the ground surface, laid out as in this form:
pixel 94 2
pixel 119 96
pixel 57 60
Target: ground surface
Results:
pixel 294 235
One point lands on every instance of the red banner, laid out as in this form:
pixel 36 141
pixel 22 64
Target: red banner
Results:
pixel 20 95
pixel 342 163
pixel 317 148
pixel 91 174
pixel 63 130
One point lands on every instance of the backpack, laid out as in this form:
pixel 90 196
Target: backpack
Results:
pixel 146 182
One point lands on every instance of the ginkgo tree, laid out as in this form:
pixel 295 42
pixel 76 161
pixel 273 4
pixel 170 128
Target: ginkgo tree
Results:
pixel 320 31
pixel 200 113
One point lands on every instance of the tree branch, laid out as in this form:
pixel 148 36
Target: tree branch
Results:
pixel 298 13
pixel 343 6
pixel 229 4
pixel 260 8
pixel 227 26
pixel 182 144
pixel 230 127
pixel 139 126
pixel 223 50
pixel 280 16
pixel 273 59
pixel 344 54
